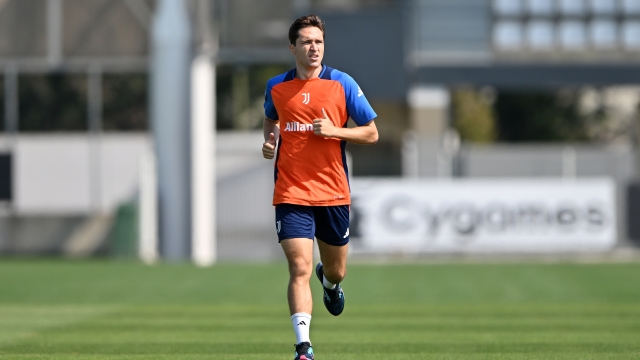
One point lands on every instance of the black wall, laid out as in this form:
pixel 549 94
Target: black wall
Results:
pixel 633 212
pixel 368 45
pixel 5 177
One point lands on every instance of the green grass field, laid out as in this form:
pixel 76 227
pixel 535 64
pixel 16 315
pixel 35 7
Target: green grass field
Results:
pixel 118 310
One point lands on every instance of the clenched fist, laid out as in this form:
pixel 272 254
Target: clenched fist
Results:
pixel 269 147
pixel 324 126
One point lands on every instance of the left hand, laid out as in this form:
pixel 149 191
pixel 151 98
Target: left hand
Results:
pixel 324 126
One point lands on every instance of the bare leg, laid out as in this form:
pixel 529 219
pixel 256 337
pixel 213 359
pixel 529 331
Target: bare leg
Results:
pixel 299 253
pixel 334 261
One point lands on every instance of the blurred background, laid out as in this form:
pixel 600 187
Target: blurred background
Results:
pixel 506 126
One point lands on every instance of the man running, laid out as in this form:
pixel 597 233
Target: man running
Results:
pixel 306 110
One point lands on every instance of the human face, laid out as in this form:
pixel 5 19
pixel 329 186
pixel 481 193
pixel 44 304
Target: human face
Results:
pixel 309 48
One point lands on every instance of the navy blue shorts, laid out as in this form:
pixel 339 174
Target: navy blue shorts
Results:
pixel 327 223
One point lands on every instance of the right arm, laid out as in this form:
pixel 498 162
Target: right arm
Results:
pixel 271 130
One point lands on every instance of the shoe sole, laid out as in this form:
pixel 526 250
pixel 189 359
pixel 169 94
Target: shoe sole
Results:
pixel 306 356
pixel 319 273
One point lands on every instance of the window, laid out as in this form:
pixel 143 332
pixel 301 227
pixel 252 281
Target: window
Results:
pixel 604 7
pixel 573 35
pixel 604 34
pixel 602 28
pixel 507 35
pixel 540 35
pixel 631 7
pixel 508 7
pixel 631 35
pixel 540 7
pixel 572 7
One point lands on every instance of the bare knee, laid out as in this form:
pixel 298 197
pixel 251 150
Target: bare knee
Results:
pixel 299 269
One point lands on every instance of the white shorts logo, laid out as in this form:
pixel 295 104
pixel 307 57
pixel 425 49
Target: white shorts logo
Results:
pixel 278 225
pixel 346 234
pixel 306 97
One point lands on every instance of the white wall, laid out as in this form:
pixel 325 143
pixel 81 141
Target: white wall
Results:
pixel 76 174
pixel 73 174
pixel 59 179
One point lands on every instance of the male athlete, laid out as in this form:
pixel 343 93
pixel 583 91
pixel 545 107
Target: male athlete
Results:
pixel 307 109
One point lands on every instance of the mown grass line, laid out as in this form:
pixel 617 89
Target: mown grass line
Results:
pixel 114 310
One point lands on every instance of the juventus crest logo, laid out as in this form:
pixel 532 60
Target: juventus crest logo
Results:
pixel 306 97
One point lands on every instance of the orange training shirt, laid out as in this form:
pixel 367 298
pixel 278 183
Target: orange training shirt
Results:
pixel 311 169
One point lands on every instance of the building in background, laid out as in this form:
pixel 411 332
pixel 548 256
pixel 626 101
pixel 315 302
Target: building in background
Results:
pixel 74 97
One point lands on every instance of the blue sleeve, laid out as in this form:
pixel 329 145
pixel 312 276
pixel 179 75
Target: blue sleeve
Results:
pixel 358 107
pixel 269 108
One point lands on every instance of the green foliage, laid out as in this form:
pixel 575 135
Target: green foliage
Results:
pixel 52 102
pixel 122 310
pixel 473 114
pixel 125 102
pixel 240 95
pixel 540 116
pixel 58 102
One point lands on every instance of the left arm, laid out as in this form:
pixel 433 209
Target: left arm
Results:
pixel 366 134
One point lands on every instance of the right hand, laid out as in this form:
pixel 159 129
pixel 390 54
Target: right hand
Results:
pixel 269 147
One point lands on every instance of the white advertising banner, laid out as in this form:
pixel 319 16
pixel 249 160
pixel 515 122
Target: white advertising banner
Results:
pixel 517 215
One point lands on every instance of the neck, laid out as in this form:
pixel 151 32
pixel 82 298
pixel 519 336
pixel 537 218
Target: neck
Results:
pixel 304 73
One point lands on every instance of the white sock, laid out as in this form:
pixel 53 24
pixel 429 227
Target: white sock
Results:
pixel 327 284
pixel 301 322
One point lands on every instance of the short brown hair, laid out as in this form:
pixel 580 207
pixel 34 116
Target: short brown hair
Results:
pixel 303 22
